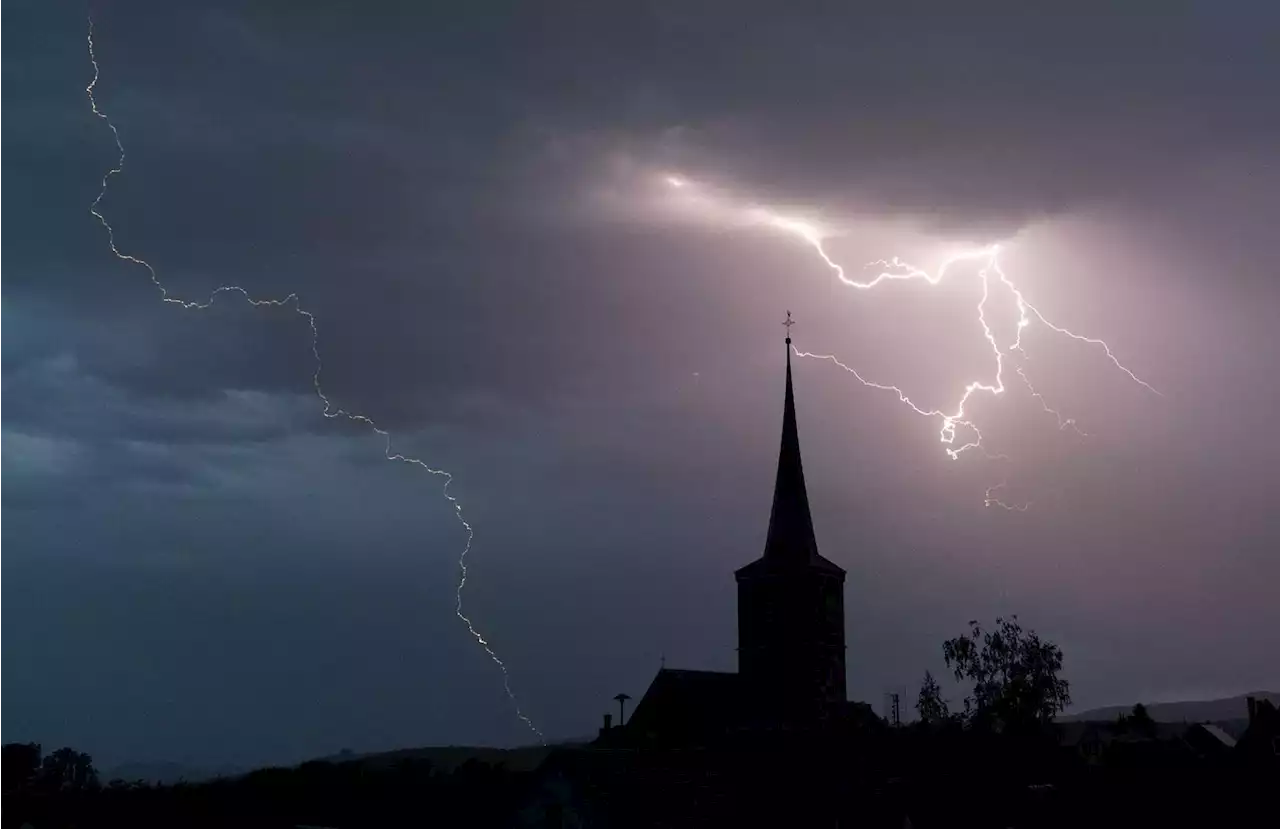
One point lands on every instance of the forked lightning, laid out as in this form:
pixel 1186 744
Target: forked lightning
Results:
pixel 895 269
pixel 330 411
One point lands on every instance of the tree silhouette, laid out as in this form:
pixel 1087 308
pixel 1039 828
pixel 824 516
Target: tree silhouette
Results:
pixel 1140 721
pixel 1014 675
pixel 68 770
pixel 930 704
pixel 21 761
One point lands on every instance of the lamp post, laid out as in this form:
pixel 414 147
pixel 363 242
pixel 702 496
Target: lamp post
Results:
pixel 622 701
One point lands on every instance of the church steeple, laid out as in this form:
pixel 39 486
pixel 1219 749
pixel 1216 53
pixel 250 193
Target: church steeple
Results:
pixel 791 537
pixel 791 601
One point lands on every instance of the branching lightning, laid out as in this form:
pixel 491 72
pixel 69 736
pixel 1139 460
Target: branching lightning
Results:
pixel 957 433
pixel 330 411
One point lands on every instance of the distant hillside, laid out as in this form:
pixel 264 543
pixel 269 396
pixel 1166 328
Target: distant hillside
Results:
pixel 166 773
pixel 447 758
pixel 1210 710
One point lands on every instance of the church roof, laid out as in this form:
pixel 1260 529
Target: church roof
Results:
pixel 791 540
pixel 686 703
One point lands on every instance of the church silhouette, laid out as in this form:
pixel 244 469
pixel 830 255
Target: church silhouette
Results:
pixel 791 650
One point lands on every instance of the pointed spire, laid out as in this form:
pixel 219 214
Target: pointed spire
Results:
pixel 791 537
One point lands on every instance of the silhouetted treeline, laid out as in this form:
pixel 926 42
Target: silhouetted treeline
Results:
pixel 1001 761
pixel 347 794
pixel 943 775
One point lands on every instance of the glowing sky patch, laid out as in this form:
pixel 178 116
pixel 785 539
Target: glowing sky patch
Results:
pixel 954 422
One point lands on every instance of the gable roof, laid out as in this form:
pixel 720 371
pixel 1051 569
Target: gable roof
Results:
pixel 1218 734
pixel 687 703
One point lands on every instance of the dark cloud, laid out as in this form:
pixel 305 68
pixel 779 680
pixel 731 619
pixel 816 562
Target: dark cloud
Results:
pixel 995 110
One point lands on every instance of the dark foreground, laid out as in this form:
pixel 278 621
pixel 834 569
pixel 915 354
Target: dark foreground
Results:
pixel 885 780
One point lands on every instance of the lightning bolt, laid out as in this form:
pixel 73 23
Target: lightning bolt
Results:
pixel 991 500
pixel 957 432
pixel 329 410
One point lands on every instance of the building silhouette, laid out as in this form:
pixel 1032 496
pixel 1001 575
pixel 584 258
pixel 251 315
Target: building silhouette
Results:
pixel 791 650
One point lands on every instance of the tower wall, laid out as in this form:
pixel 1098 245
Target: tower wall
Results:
pixel 791 602
pixel 791 651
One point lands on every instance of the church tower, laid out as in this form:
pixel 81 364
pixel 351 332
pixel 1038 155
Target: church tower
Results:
pixel 791 604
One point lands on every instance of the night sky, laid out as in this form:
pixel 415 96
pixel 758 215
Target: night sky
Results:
pixel 200 567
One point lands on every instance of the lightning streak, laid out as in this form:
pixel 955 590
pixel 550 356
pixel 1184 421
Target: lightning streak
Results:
pixel 330 411
pixel 955 422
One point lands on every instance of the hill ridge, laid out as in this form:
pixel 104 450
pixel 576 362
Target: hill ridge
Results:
pixel 1209 710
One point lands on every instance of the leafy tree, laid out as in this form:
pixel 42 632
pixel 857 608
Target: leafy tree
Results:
pixel 21 761
pixel 1014 675
pixel 1140 721
pixel 68 770
pixel 930 704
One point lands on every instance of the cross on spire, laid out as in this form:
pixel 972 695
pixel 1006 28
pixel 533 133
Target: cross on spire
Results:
pixel 790 322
